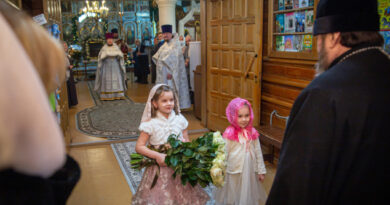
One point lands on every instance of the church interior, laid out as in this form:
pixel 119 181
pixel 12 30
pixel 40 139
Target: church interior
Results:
pixel 260 50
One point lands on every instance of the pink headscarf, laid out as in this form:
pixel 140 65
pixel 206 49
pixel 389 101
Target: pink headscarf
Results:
pixel 234 129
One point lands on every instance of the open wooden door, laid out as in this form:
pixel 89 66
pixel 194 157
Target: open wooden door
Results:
pixel 234 46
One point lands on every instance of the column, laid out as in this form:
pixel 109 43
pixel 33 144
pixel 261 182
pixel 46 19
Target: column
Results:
pixel 167 13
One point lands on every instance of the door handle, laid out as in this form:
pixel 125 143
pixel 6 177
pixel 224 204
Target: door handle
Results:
pixel 256 77
pixel 250 66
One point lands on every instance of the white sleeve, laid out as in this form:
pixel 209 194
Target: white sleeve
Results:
pixel 182 121
pixel 146 127
pixel 259 158
pixel 32 131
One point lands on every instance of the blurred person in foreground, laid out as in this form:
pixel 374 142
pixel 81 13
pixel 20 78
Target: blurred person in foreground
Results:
pixel 32 150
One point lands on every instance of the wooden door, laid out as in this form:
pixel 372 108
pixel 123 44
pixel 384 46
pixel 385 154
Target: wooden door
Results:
pixel 234 38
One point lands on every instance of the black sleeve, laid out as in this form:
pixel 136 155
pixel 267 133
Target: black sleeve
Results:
pixel 302 169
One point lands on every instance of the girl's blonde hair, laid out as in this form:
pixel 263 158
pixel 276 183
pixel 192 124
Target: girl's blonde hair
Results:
pixel 159 91
pixel 46 54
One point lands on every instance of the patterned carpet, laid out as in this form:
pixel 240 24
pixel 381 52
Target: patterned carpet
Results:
pixel 122 153
pixel 117 119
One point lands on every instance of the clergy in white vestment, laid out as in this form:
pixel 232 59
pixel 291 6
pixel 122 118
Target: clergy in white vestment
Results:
pixel 170 67
pixel 110 79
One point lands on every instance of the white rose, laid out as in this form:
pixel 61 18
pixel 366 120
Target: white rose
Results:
pixel 215 172
pixel 218 182
pixel 217 134
pixel 221 148
pixel 218 162
pixel 221 157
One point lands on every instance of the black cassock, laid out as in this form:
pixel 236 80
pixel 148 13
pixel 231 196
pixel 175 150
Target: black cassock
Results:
pixel 141 66
pixel 336 146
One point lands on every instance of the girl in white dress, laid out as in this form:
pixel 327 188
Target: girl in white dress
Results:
pixel 245 165
pixel 160 119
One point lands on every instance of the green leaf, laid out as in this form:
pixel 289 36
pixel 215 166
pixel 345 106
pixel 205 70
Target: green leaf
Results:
pixel 169 152
pixel 179 171
pixel 201 165
pixel 187 144
pixel 175 144
pixel 188 153
pixel 200 175
pixel 208 177
pixel 187 165
pixel 174 160
pixel 194 144
pixel 175 151
pixel 192 176
pixel 135 161
pixel 170 139
pixel 168 160
pixel 202 161
pixel 185 159
pixel 136 156
pixel 136 166
pixel 173 136
pixel 193 182
pixel 184 180
pixel 203 149
pixel 202 183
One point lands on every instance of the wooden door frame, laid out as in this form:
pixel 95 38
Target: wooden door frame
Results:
pixel 203 29
pixel 260 19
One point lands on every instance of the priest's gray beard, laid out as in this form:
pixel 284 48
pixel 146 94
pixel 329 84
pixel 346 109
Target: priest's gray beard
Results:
pixel 322 64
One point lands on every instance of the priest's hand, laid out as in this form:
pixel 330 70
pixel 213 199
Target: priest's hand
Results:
pixel 169 76
pixel 261 177
pixel 187 62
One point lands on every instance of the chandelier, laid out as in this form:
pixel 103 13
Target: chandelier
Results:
pixel 93 9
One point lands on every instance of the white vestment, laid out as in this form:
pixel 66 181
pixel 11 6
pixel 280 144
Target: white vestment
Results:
pixel 169 60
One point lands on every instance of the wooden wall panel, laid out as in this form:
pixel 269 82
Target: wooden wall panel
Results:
pixel 237 34
pixel 282 81
pixel 251 8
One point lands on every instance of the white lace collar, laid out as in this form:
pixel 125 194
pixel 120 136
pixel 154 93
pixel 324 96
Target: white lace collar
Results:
pixel 170 118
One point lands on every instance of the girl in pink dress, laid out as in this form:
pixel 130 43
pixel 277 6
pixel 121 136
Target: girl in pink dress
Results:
pixel 245 165
pixel 160 119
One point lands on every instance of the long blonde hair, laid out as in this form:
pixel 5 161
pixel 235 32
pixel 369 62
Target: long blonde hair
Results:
pixel 46 54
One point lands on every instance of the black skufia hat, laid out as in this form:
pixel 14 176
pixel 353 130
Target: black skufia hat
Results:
pixel 345 16
pixel 114 30
pixel 167 28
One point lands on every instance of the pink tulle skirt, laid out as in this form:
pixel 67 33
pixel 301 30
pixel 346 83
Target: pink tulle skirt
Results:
pixel 168 190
